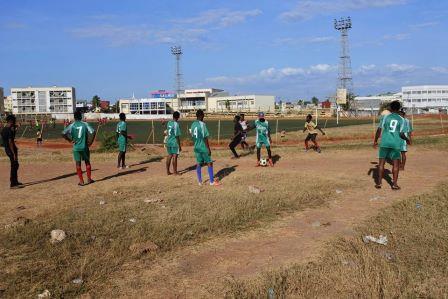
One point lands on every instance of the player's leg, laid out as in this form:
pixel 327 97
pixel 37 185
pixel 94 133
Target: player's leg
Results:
pixel 175 164
pixel 199 162
pixel 258 154
pixel 168 164
pixel 316 145
pixel 379 179
pixel 403 160
pixel 395 156
pixel 86 159
pixel 119 159
pixel 307 139
pixel 268 149
pixel 123 160
pixel 234 143
pixel 77 157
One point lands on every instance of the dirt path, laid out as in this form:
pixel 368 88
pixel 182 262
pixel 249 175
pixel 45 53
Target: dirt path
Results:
pixel 199 271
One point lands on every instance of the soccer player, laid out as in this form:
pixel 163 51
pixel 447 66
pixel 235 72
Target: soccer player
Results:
pixel 408 132
pixel 122 139
pixel 173 146
pixel 312 128
pixel 199 133
pixel 391 130
pixel 78 133
pixel 263 137
pixel 244 126
pixel 237 136
pixel 39 137
pixel 8 136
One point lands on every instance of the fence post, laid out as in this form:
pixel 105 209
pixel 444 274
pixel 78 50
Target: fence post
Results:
pixel 316 117
pixel 219 131
pixel 441 123
pixel 153 133
pixel 276 132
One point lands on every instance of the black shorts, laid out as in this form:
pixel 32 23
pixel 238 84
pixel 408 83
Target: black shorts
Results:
pixel 311 137
pixel 235 142
pixel 39 139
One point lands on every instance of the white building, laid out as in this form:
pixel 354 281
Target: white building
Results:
pixel 195 99
pixel 151 106
pixel 59 102
pixel 425 98
pixel 2 101
pixel 241 103
pixel 8 103
pixel 373 103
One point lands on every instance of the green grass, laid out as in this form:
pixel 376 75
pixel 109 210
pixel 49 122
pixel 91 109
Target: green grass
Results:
pixel 142 129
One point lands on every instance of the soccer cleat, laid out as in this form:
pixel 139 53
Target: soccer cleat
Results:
pixel 200 183
pixel 81 184
pixel 271 163
pixel 90 182
pixel 318 150
pixel 215 183
pixel 258 164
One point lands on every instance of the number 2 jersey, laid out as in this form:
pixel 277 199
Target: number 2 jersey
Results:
pixel 391 126
pixel 79 132
pixel 199 133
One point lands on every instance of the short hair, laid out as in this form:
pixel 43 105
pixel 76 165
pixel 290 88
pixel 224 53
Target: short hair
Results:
pixel 237 117
pixel 176 114
pixel 241 114
pixel 122 116
pixel 77 115
pixel 11 118
pixel 395 106
pixel 199 113
pixel 309 115
pixel 403 112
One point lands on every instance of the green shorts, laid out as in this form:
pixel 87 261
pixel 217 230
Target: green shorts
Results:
pixel 122 146
pixel 266 143
pixel 172 150
pixel 389 153
pixel 202 157
pixel 83 155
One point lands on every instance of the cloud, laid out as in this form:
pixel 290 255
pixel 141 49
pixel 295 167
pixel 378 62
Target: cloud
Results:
pixel 440 69
pixel 308 9
pixel 424 25
pixel 291 41
pixel 397 37
pixel 220 18
pixel 273 74
pixel 117 36
pixel 400 67
pixel 15 25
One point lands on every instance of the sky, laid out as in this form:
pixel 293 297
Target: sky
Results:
pixel 286 48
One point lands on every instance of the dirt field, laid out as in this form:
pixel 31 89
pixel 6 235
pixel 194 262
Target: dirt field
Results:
pixel 200 266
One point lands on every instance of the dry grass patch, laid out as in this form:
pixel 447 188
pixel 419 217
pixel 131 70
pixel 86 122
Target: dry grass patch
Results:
pixel 99 237
pixel 413 264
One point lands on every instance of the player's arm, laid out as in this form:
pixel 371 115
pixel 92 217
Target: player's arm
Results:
pixel 377 136
pixel 208 146
pixel 12 148
pixel 403 136
pixel 91 132
pixel 269 134
pixel 320 129
pixel 65 133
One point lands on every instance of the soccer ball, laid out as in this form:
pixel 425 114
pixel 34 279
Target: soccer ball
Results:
pixel 263 162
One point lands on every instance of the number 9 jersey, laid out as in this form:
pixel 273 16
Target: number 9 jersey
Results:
pixel 391 125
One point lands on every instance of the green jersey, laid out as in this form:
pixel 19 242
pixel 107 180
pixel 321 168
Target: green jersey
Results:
pixel 199 133
pixel 172 132
pixel 122 127
pixel 79 132
pixel 392 125
pixel 407 127
pixel 262 130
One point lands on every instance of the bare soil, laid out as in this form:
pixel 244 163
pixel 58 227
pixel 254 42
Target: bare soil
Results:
pixel 200 270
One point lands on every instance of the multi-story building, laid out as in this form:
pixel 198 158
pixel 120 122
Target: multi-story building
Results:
pixel 151 106
pixel 43 100
pixel 7 104
pixel 425 98
pixel 195 99
pixel 2 101
pixel 241 103
pixel 373 103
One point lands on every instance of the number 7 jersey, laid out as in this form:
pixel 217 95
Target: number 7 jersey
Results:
pixel 79 132
pixel 391 125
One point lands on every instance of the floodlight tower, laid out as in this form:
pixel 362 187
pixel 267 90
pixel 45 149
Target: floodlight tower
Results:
pixel 345 80
pixel 177 52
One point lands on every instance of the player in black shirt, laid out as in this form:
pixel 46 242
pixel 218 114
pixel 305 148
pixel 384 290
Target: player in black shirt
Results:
pixel 237 136
pixel 8 136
